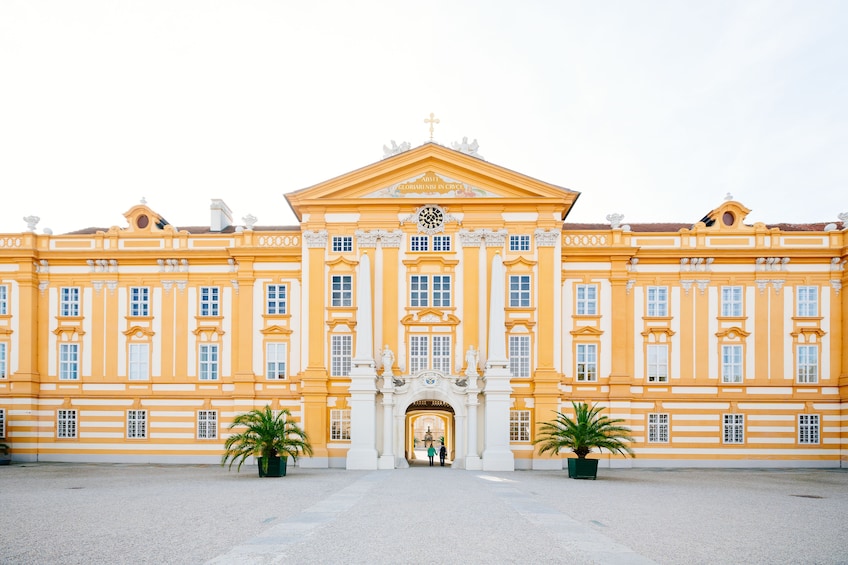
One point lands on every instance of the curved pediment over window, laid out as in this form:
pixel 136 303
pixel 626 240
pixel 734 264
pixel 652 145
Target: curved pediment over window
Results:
pixel 142 219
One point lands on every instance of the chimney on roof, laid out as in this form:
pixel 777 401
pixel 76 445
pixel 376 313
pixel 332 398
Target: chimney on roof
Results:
pixel 222 216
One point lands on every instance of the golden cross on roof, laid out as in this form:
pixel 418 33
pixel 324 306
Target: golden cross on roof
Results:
pixel 432 120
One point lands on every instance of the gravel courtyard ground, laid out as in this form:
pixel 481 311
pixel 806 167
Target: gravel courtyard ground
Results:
pixel 136 514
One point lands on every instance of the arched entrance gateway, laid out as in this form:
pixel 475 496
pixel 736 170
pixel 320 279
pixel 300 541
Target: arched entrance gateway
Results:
pixel 429 422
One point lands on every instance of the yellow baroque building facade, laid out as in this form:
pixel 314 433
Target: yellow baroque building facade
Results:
pixel 435 288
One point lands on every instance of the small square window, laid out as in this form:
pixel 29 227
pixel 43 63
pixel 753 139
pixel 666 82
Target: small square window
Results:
pixel 441 243
pixel 519 243
pixel 419 243
pixel 342 243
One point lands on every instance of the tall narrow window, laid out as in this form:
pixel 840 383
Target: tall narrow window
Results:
pixel 441 243
pixel 731 363
pixel 658 363
pixel 657 428
pixel 340 425
pixel 808 363
pixel 4 370
pixel 66 423
pixel 209 362
pixel 2 422
pixel 342 290
pixel 69 301
pixel 139 361
pixel 275 299
pixel 808 301
pixel 808 428
pixel 342 244
pixel 731 301
pixel 4 299
pixel 341 349
pixel 68 361
pixel 587 299
pixel 587 362
pixel 519 425
pixel 734 428
pixel 657 300
pixel 207 424
pixel 419 291
pixel 519 355
pixel 519 291
pixel 442 353
pixel 139 301
pixel 418 353
pixel 209 301
pixel 136 424
pixel 275 361
pixel 441 291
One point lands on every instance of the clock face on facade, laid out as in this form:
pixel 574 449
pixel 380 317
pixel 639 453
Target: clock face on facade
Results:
pixel 430 218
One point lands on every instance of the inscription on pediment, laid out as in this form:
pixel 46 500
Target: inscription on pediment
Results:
pixel 431 184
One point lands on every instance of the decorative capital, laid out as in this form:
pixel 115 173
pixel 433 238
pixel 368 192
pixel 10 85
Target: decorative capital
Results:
pixel 315 239
pixel 390 238
pixel 366 238
pixel 494 238
pixel 470 238
pixel 546 238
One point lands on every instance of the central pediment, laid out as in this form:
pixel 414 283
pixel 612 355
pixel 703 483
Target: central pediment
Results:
pixel 432 184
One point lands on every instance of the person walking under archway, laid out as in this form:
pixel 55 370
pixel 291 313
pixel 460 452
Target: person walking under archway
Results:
pixel 443 453
pixel 431 452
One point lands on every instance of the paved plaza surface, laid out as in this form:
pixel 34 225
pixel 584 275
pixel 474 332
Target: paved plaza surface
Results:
pixel 187 514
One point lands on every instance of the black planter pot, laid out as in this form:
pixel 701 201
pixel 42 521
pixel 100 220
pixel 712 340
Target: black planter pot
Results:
pixel 583 469
pixel 276 467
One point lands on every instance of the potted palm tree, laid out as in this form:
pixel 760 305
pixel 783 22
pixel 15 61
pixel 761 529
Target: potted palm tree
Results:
pixel 270 436
pixel 588 430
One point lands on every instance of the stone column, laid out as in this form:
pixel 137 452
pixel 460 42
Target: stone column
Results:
pixel 472 457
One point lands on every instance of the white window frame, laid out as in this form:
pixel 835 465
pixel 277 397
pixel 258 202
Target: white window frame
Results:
pixel 442 288
pixel 807 371
pixel 587 299
pixel 732 298
pixel 809 429
pixel 136 424
pixel 210 301
pixel 518 347
pixel 207 424
pixel 341 287
pixel 4 360
pixel 139 362
pixel 419 353
pixel 442 243
pixel 276 299
pixel 807 301
pixel 139 301
pixel 4 299
pixel 66 424
pixel 419 243
pixel 441 354
pixel 587 362
pixel 732 363
pixel 519 425
pixel 520 291
pixel 3 423
pixel 657 301
pixel 208 362
pixel 341 354
pixel 69 361
pixel 342 243
pixel 276 354
pixel 658 428
pixel 657 358
pixel 733 428
pixel 419 291
pixel 519 243
pixel 340 425
pixel 69 301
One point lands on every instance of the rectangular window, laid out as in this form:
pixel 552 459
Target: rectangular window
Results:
pixel 275 361
pixel 209 362
pixel 587 362
pixel 808 428
pixel 3 361
pixel 734 428
pixel 657 428
pixel 519 425
pixel 419 243
pixel 340 425
pixel 731 363
pixel 587 299
pixel 519 243
pixel 4 300
pixel 342 243
pixel 808 301
pixel 209 301
pixel 2 422
pixel 418 353
pixel 342 290
pixel 519 291
pixel 657 301
pixel 731 301
pixel 136 424
pixel 68 361
pixel 341 348
pixel 442 354
pixel 139 301
pixel 69 301
pixel 441 291
pixel 419 291
pixel 207 424
pixel 441 243
pixel 519 355
pixel 66 423
pixel 275 299
pixel 139 361
pixel 658 363
pixel 808 363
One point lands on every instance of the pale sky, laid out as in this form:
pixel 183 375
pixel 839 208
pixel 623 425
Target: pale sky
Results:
pixel 652 109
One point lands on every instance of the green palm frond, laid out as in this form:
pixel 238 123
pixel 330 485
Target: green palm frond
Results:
pixel 267 435
pixel 588 430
